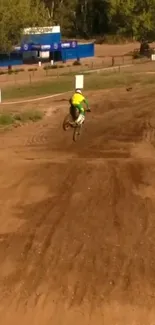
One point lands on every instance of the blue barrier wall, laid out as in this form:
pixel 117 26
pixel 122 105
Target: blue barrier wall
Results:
pixel 13 62
pixel 86 50
pixel 69 54
pixel 43 39
pixel 82 51
pixel 13 59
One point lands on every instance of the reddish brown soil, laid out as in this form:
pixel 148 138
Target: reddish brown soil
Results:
pixel 77 239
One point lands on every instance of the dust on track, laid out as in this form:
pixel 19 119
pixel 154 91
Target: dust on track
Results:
pixel 77 220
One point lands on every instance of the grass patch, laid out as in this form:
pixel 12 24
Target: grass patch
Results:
pixel 3 72
pixel 39 88
pixel 50 67
pixel 7 119
pixel 93 81
pixel 116 80
pixel 53 67
pixel 14 71
pixel 30 115
pixel 32 69
pixel 76 63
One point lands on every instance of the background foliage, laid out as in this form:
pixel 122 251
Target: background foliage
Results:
pixel 132 19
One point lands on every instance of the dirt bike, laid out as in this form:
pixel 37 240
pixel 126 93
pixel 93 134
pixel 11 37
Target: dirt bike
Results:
pixel 69 122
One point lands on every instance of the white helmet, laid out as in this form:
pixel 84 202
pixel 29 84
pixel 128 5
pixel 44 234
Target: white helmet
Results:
pixel 78 91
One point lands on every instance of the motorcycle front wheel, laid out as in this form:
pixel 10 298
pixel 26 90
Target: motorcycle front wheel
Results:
pixel 77 132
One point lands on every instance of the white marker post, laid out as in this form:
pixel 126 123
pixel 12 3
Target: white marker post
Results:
pixel 153 57
pixel 79 81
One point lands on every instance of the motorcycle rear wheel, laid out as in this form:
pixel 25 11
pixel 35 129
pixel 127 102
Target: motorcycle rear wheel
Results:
pixel 66 122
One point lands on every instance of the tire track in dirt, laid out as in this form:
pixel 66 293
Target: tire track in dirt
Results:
pixel 118 189
pixel 32 233
pixel 149 132
pixel 76 290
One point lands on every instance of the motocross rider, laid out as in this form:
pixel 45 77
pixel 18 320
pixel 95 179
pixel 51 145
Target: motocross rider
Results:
pixel 77 101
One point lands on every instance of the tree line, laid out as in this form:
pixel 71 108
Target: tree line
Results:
pixel 134 19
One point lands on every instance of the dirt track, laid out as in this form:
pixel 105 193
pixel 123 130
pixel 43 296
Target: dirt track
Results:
pixel 77 234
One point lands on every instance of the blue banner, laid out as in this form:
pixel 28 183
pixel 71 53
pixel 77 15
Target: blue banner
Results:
pixel 49 47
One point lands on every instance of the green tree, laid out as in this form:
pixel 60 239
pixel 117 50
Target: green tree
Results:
pixel 85 18
pixel 132 18
pixel 144 19
pixel 17 14
pixel 62 12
